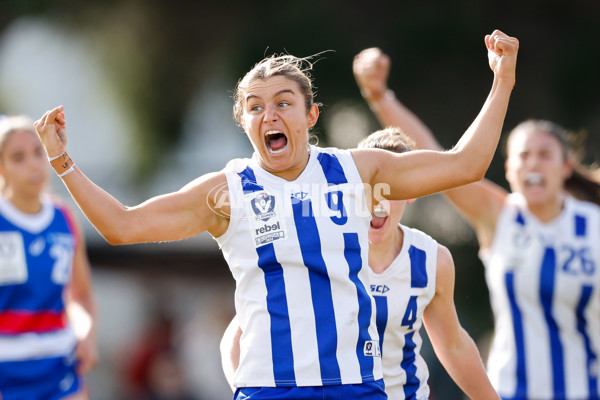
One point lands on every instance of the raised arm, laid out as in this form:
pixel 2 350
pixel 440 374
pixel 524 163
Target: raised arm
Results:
pixel 452 344
pixel 420 173
pixel 172 216
pixel 479 202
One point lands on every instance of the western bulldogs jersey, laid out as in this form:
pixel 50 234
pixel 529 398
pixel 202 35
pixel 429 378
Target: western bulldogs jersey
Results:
pixel 36 256
pixel 402 292
pixel 299 251
pixel 544 282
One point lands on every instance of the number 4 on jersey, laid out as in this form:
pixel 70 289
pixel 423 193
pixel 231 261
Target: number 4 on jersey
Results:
pixel 410 315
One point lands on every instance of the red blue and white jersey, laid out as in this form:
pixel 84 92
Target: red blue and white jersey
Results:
pixel 402 292
pixel 544 283
pixel 36 260
pixel 298 251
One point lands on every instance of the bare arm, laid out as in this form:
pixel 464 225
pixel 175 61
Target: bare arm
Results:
pixel 230 350
pixel 452 344
pixel 81 305
pixel 172 216
pixel 434 171
pixel 480 202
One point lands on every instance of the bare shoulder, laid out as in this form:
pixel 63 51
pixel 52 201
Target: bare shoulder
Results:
pixel 57 202
pixel 361 159
pixel 208 197
pixel 444 256
pixel 209 187
pixel 66 209
pixel 368 161
pixel 445 269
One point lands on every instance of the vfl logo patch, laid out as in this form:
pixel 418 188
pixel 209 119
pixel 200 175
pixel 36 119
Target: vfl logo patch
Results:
pixel 265 217
pixel 371 348
pixel 263 205
pixel 521 238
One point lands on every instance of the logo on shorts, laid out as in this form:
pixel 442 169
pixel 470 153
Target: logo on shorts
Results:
pixel 263 205
pixel 67 382
pixel 372 348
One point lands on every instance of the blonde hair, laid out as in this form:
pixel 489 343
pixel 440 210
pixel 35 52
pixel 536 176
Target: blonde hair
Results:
pixel 9 125
pixel 390 138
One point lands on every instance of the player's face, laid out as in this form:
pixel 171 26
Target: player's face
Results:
pixel 384 226
pixel 536 166
pixel 24 165
pixel 276 120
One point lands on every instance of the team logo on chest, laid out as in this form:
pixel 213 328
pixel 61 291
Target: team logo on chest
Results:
pixel 37 246
pixel 263 205
pixel 265 216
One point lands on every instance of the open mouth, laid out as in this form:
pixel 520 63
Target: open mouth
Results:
pixel 534 178
pixel 380 215
pixel 276 141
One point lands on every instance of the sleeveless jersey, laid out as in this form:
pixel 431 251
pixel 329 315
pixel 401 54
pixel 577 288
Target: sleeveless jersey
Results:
pixel 36 256
pixel 402 292
pixel 544 283
pixel 298 251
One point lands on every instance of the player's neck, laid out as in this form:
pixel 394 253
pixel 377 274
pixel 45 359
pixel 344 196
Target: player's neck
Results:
pixel 382 254
pixel 26 204
pixel 548 211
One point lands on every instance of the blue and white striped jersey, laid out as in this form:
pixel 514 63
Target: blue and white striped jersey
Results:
pixel 402 292
pixel 299 251
pixel 544 282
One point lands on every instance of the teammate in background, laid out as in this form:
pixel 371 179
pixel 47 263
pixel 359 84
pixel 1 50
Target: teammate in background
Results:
pixel 412 280
pixel 47 308
pixel 539 245
pixel 293 224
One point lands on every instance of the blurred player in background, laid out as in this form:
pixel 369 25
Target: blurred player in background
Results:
pixel 540 246
pixel 47 307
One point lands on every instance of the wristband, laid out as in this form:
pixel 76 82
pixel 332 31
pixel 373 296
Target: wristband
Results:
pixel 55 157
pixel 388 95
pixel 67 171
pixel 62 164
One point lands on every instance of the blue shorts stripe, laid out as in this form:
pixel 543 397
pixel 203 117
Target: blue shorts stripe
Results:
pixel 47 378
pixel 373 390
pixel 382 317
pixel 352 252
pixel 521 371
pixel 281 334
pixel 310 247
pixel 592 358
pixel 547 278
pixel 418 269
pixel 334 173
pixel 408 364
